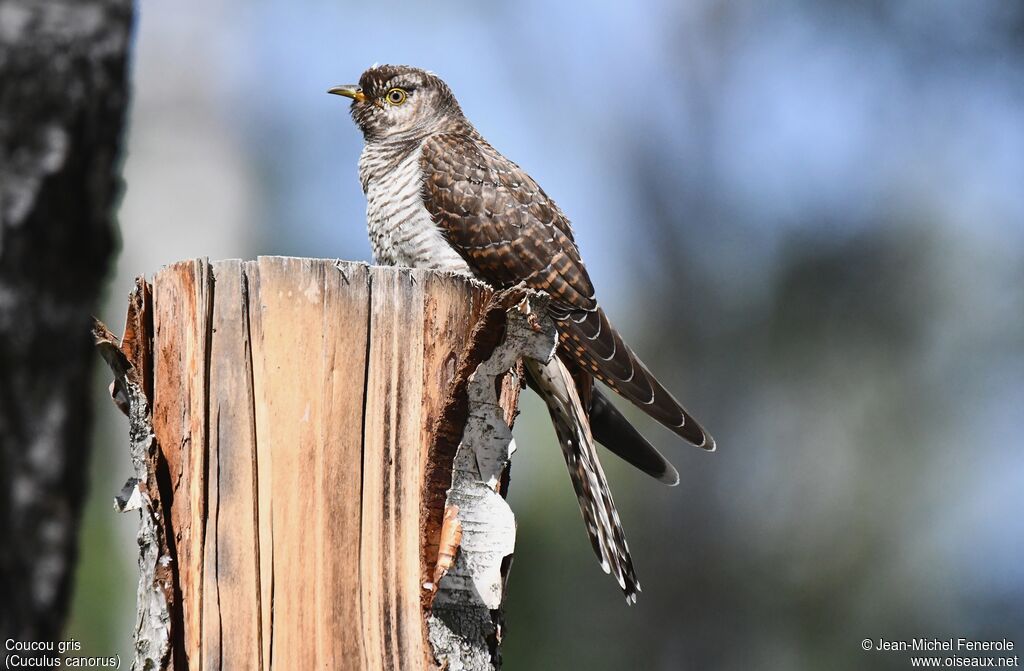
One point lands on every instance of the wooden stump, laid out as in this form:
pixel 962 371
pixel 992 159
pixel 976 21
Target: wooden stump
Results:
pixel 294 425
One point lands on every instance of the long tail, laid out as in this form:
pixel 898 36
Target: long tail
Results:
pixel 590 341
pixel 615 432
pixel 558 389
pixel 611 429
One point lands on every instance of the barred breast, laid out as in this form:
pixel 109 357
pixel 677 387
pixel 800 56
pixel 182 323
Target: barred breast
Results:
pixel 401 230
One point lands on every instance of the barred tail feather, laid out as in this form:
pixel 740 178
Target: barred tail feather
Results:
pixel 615 432
pixel 591 342
pixel 557 388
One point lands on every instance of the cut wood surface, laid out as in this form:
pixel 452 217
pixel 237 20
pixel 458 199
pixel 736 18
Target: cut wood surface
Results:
pixel 307 414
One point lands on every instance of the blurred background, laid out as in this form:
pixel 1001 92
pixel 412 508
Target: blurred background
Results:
pixel 807 217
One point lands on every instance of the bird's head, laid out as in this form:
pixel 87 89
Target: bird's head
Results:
pixel 398 102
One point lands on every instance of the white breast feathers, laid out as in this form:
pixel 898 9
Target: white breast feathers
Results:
pixel 401 230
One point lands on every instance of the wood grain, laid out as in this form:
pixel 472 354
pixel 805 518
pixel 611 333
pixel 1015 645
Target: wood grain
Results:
pixel 231 614
pixel 340 479
pixel 182 305
pixel 295 406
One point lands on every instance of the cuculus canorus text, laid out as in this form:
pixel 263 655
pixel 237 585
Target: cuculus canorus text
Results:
pixel 439 196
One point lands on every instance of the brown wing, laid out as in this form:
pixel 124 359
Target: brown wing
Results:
pixel 510 231
pixel 501 222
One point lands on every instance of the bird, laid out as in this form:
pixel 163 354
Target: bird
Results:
pixel 440 197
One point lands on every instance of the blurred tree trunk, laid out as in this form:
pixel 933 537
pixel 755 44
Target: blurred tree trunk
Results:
pixel 63 98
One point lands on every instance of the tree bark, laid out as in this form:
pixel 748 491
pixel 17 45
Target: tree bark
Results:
pixel 321 473
pixel 63 96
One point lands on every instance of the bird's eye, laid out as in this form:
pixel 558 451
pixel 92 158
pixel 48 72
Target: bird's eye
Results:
pixel 396 96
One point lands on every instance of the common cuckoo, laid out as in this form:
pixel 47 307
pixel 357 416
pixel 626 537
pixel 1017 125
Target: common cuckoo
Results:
pixel 439 196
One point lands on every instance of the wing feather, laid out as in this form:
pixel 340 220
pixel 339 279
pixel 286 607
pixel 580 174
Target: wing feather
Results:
pixel 509 231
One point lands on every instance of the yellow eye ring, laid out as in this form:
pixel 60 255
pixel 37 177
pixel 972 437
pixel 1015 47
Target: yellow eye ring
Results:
pixel 396 96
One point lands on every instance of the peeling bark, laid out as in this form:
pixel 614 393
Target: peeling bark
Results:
pixel 465 616
pixel 130 362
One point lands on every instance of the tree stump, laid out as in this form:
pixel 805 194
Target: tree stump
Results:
pixel 320 451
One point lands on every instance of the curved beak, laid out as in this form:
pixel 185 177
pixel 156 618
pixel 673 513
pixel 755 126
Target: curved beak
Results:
pixel 349 91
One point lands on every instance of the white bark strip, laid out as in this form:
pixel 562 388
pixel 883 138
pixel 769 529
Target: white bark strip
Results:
pixel 464 627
